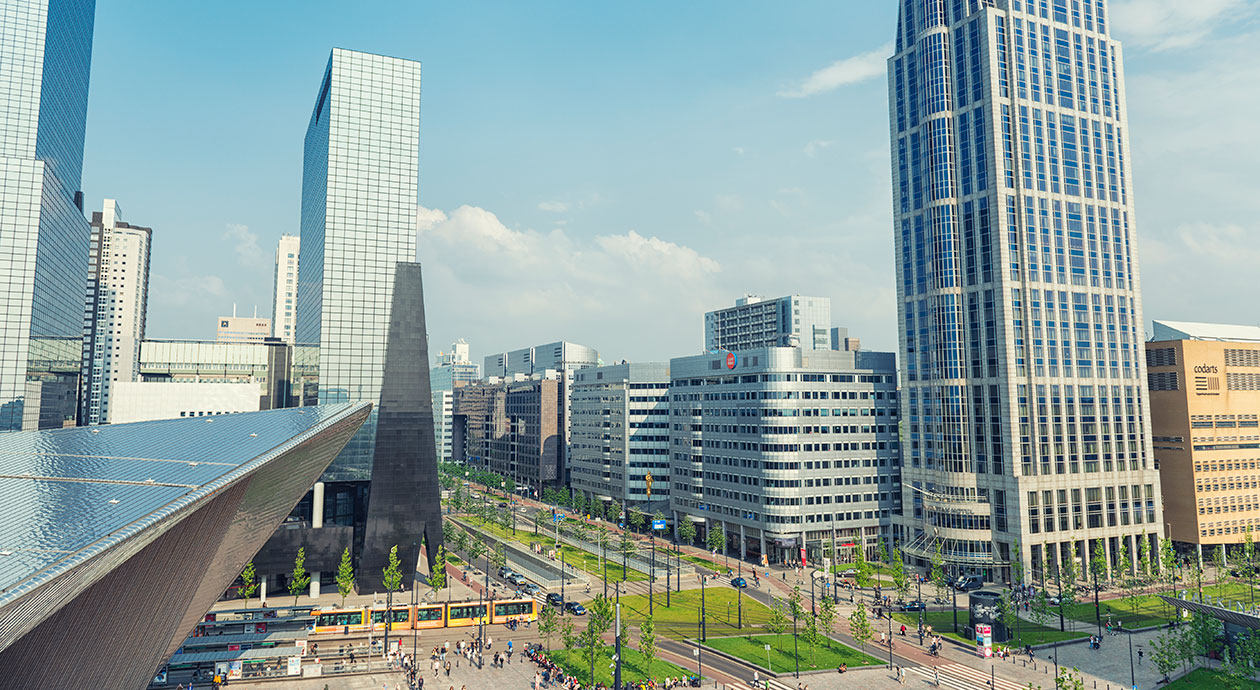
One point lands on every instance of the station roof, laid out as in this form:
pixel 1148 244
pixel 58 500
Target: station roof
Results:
pixel 69 494
pixel 1187 330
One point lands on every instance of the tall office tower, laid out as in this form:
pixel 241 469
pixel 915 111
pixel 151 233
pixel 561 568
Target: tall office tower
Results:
pixel 46 53
pixel 620 433
pixel 1017 288
pixel 114 313
pixel 450 369
pixel 756 322
pixel 359 192
pixel 284 293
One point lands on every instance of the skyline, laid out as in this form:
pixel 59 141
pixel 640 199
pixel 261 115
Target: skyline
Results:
pixel 721 151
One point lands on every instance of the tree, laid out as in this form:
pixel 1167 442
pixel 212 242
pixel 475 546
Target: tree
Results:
pixel 392 574
pixel 437 576
pixel 462 541
pixel 550 495
pixel 1165 652
pixel 1008 611
pixel 1069 679
pixel 345 576
pixel 1248 570
pixel 1130 585
pixel 626 545
pixel 596 509
pixel 881 552
pixel 937 572
pixel 614 513
pixel 562 497
pixel 547 624
pixel 248 583
pixel 601 540
pixel 579 502
pixel 778 622
pixel 599 620
pixel 636 519
pixel 716 537
pixel 1017 564
pixel 861 568
pixel 900 578
pixel 1205 631
pixel 647 642
pixel 299 580
pixel 687 531
pixel 795 606
pixel 1098 562
pixel 448 531
pixel 498 556
pixel 1168 561
pixel 566 632
pixel 1039 608
pixel 1144 559
pixel 812 637
pixel 1219 562
pixel 827 618
pixel 475 550
pixel 860 626
pixel 540 519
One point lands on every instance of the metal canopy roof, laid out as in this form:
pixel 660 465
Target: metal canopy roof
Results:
pixel 67 494
pixel 1239 616
pixel 257 653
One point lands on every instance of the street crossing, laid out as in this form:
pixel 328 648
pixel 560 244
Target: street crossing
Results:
pixel 762 684
pixel 962 677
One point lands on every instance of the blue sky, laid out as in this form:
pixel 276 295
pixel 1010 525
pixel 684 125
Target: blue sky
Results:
pixel 606 172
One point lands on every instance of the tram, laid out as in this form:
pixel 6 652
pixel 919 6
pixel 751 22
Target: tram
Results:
pixel 424 616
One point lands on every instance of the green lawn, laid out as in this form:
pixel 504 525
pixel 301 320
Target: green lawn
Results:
pixel 753 649
pixel 1204 679
pixel 679 620
pixel 573 556
pixel 633 665
pixel 942 623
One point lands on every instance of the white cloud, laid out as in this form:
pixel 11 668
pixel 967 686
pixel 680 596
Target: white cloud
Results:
pixel 1172 24
pixel 812 148
pixel 851 70
pixel 245 244
pixel 554 206
pixel 185 289
pixel 655 254
pixel 739 150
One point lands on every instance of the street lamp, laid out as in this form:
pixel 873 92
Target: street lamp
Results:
pixel 415 573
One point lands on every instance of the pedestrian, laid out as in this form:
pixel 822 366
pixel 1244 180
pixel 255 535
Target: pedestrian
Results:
pixel 901 675
pixel 936 676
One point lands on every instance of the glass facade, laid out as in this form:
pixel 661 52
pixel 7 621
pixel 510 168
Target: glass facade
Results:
pixel 1018 294
pixel 359 193
pixel 45 57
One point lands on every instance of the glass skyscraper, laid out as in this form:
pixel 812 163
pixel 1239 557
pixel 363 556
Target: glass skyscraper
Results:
pixel 45 58
pixel 359 193
pixel 1019 304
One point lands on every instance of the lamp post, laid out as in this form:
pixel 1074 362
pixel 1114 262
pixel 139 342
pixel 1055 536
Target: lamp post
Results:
pixel 1132 672
pixel 617 641
pixel 739 594
pixel 703 636
pixel 888 615
pixel 415 572
pixel 652 537
pixel 795 650
pixel 918 584
pixel 1097 608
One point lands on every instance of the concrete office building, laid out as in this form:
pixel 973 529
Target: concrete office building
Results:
pixel 840 340
pixel 559 356
pixel 145 402
pixel 515 427
pixel 115 309
pixel 242 329
pixel 284 288
pixel 1205 421
pixel 1019 303
pixel 267 366
pixel 788 449
pixel 46 51
pixel 450 369
pixel 619 434
pixel 755 322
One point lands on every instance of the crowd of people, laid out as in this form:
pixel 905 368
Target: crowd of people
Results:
pixel 550 675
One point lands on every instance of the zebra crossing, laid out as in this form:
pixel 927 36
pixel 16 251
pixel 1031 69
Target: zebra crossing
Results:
pixel 762 684
pixel 962 677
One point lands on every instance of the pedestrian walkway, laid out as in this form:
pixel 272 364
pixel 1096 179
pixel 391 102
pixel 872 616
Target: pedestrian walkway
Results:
pixel 762 684
pixel 962 677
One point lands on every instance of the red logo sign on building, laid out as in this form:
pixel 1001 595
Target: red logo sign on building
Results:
pixel 731 360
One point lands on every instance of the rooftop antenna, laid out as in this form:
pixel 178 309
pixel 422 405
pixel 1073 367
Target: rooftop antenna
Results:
pixel 234 310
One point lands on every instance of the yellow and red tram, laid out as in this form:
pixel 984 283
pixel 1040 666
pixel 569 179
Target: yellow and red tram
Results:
pixel 424 616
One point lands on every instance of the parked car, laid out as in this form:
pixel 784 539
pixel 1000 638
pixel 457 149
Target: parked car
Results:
pixel 530 588
pixel 968 583
pixel 574 608
pixel 739 582
pixel 915 605
pixel 555 599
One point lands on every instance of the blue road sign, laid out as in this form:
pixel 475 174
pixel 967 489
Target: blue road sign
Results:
pixel 559 517
pixel 658 524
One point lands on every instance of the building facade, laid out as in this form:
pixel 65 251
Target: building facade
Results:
pixel 242 329
pixel 558 356
pixel 790 451
pixel 284 289
pixel 47 51
pixel 360 185
pixel 619 433
pixel 1017 288
pixel 515 427
pixel 1205 420
pixel 135 401
pixel 115 310
pixel 755 322
pixel 450 369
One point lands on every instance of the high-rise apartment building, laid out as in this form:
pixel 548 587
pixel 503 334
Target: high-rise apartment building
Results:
pixel 115 309
pixel 516 427
pixel 46 53
pixel 619 433
pixel 450 369
pixel 284 291
pixel 1017 288
pixel 1205 421
pixel 755 322
pixel 790 451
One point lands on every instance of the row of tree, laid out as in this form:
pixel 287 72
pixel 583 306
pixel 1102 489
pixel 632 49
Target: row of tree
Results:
pixel 600 619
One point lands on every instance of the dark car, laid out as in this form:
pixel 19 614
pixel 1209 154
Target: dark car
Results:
pixel 968 583
pixel 739 582
pixel 555 599
pixel 574 608
pixel 914 606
